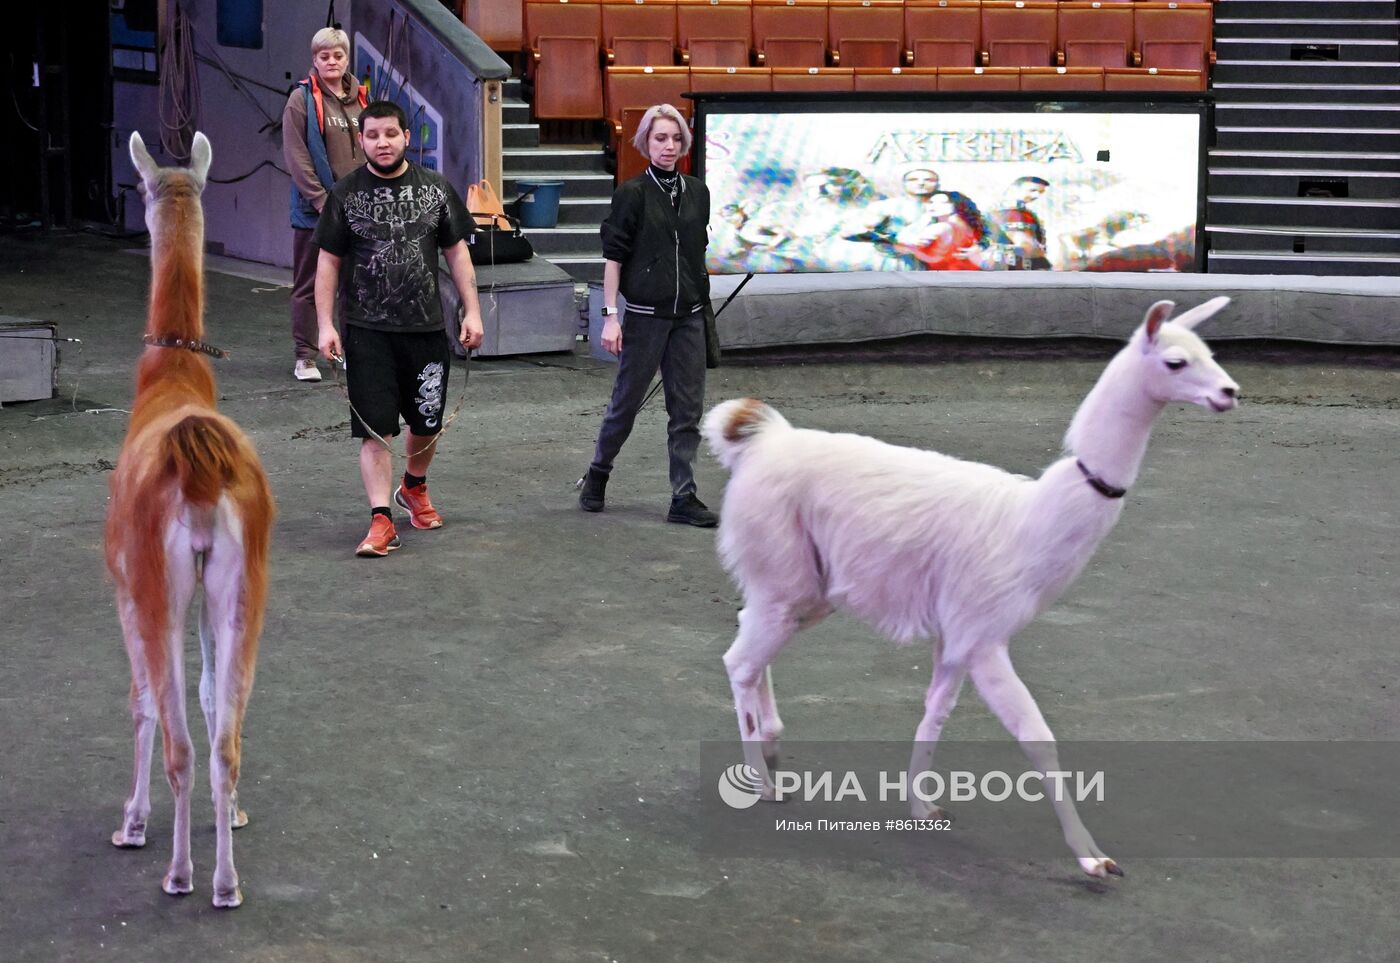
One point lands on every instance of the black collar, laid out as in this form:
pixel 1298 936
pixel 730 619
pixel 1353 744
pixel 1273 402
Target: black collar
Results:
pixel 1099 485
pixel 189 344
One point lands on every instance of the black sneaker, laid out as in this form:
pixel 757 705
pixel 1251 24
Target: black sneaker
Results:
pixel 689 510
pixel 590 491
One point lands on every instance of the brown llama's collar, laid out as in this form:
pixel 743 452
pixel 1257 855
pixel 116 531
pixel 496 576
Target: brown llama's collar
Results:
pixel 189 344
pixel 1098 484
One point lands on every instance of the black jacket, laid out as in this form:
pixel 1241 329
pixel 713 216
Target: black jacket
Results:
pixel 661 249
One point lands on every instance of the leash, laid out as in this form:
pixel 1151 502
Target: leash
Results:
pixel 339 367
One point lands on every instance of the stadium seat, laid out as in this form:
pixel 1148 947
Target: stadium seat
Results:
pixel 639 32
pixel 979 78
pixel 866 33
pixel 1062 78
pixel 1151 78
pixel 644 87
pixel 500 23
pixel 714 33
pixel 942 33
pixel 1175 36
pixel 562 42
pixel 897 78
pixel 841 79
pixel 1096 34
pixel 568 85
pixel 1018 33
pixel 789 33
pixel 736 79
pixel 561 18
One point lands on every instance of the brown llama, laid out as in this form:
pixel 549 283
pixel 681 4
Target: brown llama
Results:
pixel 190 505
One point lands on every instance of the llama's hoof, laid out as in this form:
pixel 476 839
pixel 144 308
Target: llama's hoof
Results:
pixel 232 899
pixel 181 885
pixel 238 820
pixel 926 810
pixel 1100 866
pixel 771 756
pixel 129 838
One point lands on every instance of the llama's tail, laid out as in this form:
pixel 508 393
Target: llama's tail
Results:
pixel 202 457
pixel 731 425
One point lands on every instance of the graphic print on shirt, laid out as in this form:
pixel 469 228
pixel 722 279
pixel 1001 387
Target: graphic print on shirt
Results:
pixel 429 398
pixel 394 274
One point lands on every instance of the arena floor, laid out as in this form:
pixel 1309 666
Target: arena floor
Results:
pixel 486 746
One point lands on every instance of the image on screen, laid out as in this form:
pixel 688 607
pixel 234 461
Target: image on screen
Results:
pixel 952 191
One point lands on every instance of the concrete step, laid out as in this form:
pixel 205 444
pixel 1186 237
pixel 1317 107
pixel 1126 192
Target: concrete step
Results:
pixel 520 135
pixel 515 112
pixel 1311 72
pixel 1276 262
pixel 528 160
pixel 1334 159
pixel 1307 115
pixel 1226 93
pixel 1324 31
pixel 1312 212
pixel 1383 139
pixel 573 239
pixel 592 185
pixel 583 211
pixel 1304 45
pixel 1239 180
pixel 1305 9
pixel 1297 239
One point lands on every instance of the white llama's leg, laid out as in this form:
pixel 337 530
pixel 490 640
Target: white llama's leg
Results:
pixel 1008 697
pixel 769 723
pixel 764 628
pixel 942 696
pixel 143 715
pixel 223 589
pixel 208 645
pixel 170 701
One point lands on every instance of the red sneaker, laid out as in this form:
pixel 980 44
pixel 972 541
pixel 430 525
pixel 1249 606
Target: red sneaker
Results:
pixel 381 540
pixel 420 509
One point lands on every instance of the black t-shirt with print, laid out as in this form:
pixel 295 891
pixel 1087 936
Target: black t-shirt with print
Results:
pixel 388 230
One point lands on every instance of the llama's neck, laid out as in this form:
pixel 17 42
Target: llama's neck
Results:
pixel 1110 431
pixel 177 271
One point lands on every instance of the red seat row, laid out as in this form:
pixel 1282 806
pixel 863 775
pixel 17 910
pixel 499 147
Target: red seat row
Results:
pixel 567 39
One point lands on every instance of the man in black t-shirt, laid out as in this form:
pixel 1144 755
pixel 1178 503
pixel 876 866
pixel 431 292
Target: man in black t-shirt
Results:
pixel 379 234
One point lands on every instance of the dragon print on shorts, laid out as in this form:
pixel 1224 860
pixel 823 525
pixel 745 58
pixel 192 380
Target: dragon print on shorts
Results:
pixel 429 400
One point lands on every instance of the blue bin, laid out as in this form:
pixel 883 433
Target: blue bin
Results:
pixel 539 202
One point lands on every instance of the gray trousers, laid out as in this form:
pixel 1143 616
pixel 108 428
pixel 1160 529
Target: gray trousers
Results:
pixel 677 347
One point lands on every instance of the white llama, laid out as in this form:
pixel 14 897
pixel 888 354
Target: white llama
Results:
pixel 922 545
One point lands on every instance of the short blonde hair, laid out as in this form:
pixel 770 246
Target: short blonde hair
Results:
pixel 328 37
pixel 661 112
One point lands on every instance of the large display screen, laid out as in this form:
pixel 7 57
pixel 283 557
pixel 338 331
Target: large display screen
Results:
pixel 1084 187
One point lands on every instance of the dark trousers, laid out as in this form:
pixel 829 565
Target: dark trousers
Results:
pixel 677 347
pixel 304 256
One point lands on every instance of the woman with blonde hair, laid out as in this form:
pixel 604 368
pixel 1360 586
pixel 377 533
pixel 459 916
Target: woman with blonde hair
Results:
pixel 654 240
pixel 320 145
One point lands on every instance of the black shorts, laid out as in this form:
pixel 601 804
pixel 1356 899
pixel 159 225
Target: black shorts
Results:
pixel 392 374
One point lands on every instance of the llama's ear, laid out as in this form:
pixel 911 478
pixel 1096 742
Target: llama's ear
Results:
pixel 1200 312
pixel 201 156
pixel 1157 315
pixel 141 158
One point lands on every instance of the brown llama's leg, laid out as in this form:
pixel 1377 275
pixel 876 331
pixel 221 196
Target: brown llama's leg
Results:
pixel 143 715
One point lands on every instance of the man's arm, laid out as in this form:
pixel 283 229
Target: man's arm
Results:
pixel 327 280
pixel 459 262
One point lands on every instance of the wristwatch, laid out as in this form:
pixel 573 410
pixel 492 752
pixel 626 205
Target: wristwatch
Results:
pixel 607 311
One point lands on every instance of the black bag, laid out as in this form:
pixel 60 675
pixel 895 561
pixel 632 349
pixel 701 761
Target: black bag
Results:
pixel 711 337
pixel 498 240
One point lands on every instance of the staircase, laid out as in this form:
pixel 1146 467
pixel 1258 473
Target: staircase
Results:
pixel 1304 177
pixel 574 244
